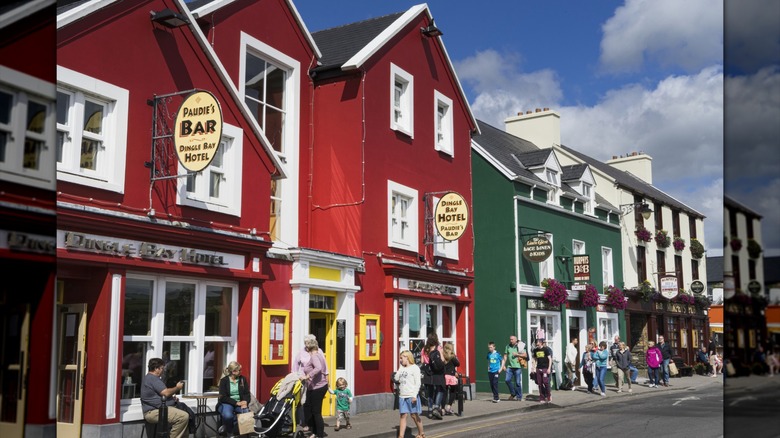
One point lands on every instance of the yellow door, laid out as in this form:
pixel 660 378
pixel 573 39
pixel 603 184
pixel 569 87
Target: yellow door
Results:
pixel 14 358
pixel 321 325
pixel 71 360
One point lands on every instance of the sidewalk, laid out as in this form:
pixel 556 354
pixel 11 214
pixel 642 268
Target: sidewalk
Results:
pixel 385 423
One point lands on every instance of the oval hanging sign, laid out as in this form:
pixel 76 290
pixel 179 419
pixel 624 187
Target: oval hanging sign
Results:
pixel 451 216
pixel 754 287
pixel 537 249
pixel 198 130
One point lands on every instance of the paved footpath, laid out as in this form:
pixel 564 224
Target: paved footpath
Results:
pixel 385 423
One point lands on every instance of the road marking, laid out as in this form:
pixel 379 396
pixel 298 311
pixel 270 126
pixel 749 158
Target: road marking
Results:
pixel 741 399
pixel 680 400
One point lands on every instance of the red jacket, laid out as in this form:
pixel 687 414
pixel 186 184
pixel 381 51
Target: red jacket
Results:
pixel 654 357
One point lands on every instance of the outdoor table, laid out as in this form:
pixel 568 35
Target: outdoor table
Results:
pixel 202 410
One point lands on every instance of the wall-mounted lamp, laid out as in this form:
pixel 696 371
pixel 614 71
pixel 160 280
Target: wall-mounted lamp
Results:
pixel 169 18
pixel 421 258
pixel 431 31
pixel 439 263
pixel 641 207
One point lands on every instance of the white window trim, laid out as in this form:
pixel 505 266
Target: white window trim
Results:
pixel 607 267
pixel 413 214
pixel 232 167
pixel 581 251
pixel 288 235
pixel 408 100
pixel 113 178
pixel 615 327
pixel 446 145
pixel 403 331
pixel 448 249
pixel 23 88
pixel 550 265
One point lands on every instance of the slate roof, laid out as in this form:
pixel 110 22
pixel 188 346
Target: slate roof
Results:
pixel 339 44
pixel 573 172
pixel 715 269
pixel 603 203
pixel 734 205
pixel 195 4
pixel 506 148
pixel 632 183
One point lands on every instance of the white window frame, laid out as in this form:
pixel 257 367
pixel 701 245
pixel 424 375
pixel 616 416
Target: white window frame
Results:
pixel 405 107
pixel 443 127
pixel 287 214
pixel 23 89
pixel 587 191
pixel 411 243
pixel 607 271
pixel 615 328
pixel 195 342
pixel 442 247
pixel 111 172
pixel 403 340
pixel 229 201
pixel 577 247
pixel 552 178
pixel 547 267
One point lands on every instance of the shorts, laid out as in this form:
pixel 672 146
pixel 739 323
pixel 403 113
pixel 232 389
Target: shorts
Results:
pixel 405 406
pixel 342 416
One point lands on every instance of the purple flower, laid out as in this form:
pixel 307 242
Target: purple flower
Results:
pixel 678 243
pixel 643 235
pixel 554 292
pixel 590 296
pixel 615 298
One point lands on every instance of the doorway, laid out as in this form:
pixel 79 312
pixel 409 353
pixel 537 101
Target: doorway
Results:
pixel 14 358
pixel 578 331
pixel 322 315
pixel 71 357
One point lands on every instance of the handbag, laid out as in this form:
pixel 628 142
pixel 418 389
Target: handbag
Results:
pixel 254 405
pixel 246 423
pixel 673 369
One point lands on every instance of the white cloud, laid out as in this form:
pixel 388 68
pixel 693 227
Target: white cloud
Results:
pixel 669 33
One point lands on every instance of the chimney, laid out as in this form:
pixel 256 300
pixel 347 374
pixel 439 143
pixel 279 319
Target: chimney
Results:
pixel 638 163
pixel 541 127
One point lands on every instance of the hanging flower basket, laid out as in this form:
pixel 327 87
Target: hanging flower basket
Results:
pixel 642 292
pixel 662 239
pixel 754 249
pixel 590 296
pixel 554 292
pixel 643 235
pixel 736 244
pixel 697 249
pixel 684 298
pixel 615 298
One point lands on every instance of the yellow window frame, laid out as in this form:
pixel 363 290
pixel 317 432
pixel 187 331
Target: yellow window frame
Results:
pixel 275 348
pixel 368 338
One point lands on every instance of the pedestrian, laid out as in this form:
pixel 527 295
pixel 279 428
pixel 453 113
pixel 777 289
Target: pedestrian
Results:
pixel 571 362
pixel 434 378
pixel 313 375
pixel 152 388
pixel 515 359
pixel 773 361
pixel 494 368
pixel 343 400
pixel 600 357
pixel 613 349
pixel 234 396
pixel 654 359
pixel 451 364
pixel 622 363
pixel 409 379
pixel 717 364
pixel 666 352
pixel 542 355
pixel 588 367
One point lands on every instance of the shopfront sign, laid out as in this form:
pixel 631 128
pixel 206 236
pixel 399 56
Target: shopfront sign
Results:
pixel 697 287
pixel 198 130
pixel 754 287
pixel 146 250
pixel 537 249
pixel 451 216
pixel 669 288
pixel 26 242
pixel 582 268
pixel 428 287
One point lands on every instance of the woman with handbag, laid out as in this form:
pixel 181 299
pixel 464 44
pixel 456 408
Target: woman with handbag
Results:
pixel 234 397
pixel 451 363
pixel 587 367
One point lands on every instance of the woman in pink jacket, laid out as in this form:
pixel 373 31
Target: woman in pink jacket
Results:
pixel 654 359
pixel 314 376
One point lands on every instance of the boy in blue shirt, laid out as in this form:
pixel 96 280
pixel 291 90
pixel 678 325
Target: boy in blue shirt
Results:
pixel 494 367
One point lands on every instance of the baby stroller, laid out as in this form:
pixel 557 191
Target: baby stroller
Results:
pixel 277 416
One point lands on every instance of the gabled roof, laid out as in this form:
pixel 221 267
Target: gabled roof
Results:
pixel 201 8
pixel 503 150
pixel 573 172
pixel 632 183
pixel 14 11
pixel 734 205
pixel 535 158
pixel 350 46
pixel 70 11
pixel 715 269
pixel 606 205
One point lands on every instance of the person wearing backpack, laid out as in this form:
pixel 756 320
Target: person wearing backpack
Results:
pixel 451 364
pixel 622 363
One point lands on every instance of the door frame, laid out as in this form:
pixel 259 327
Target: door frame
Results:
pixel 582 337
pixel 16 428
pixel 80 327
pixel 329 315
pixel 556 338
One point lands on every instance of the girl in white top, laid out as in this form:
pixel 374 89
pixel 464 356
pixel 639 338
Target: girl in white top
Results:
pixel 408 378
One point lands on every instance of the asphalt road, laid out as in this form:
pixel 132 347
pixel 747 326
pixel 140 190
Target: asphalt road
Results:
pixel 752 407
pixel 689 413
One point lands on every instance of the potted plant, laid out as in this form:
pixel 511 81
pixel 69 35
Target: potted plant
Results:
pixel 615 298
pixel 642 234
pixel 697 249
pixel 642 292
pixel 554 292
pixel 678 243
pixel 753 248
pixel 736 243
pixel 662 239
pixel 590 296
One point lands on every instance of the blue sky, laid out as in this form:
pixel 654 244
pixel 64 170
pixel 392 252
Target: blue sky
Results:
pixel 632 75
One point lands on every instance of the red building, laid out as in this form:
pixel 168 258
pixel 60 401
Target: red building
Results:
pixel 27 218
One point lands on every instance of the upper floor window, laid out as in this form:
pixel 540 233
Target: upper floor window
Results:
pixel 692 227
pixel 552 178
pixel 91 131
pixel 641 264
pixel 401 101
pixel 749 226
pixel 218 186
pixel 676 223
pixel 577 247
pixel 444 129
pixel 264 88
pixel 658 215
pixel 402 217
pixel 587 191
pixel 606 266
pixel 547 267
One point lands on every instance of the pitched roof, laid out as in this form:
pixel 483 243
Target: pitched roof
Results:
pixel 572 172
pixel 339 44
pixel 735 205
pixel 603 203
pixel 506 149
pixel 632 183
pixel 715 269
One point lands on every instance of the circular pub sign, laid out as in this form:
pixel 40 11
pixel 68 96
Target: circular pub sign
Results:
pixel 697 287
pixel 451 216
pixel 198 130
pixel 537 249
pixel 754 287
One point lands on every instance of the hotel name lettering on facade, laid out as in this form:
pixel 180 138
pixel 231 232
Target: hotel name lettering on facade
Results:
pixel 432 288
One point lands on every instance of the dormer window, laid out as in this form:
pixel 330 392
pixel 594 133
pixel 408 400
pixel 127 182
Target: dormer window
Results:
pixel 587 192
pixel 552 177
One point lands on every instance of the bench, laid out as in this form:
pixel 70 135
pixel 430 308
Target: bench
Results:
pixel 682 369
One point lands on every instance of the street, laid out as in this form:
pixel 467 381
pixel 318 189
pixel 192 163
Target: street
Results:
pixel 693 412
pixel 751 406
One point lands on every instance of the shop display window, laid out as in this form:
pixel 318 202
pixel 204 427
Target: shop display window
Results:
pixel 275 340
pixel 369 339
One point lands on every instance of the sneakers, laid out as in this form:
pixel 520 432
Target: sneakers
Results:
pixel 511 397
pixel 652 385
pixel 603 394
pixel 620 390
pixel 573 388
pixel 496 400
pixel 436 413
pixel 630 390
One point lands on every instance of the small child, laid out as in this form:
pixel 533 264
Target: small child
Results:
pixel 343 400
pixel 494 367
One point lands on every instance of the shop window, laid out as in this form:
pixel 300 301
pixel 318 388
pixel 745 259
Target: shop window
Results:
pixel 417 319
pixel 368 342
pixel 401 101
pixel 190 324
pixel 402 217
pixel 607 327
pixel 218 186
pixel 275 339
pixel 672 334
pixel 443 118
pixel 91 131
pixel 547 267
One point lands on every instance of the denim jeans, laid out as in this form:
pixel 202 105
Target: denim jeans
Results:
pixel 598 378
pixel 435 394
pixel 666 370
pixel 228 413
pixel 654 374
pixel 633 372
pixel 515 374
pixel 494 384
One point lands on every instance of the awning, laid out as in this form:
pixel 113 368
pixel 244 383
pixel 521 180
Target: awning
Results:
pixel 716 329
